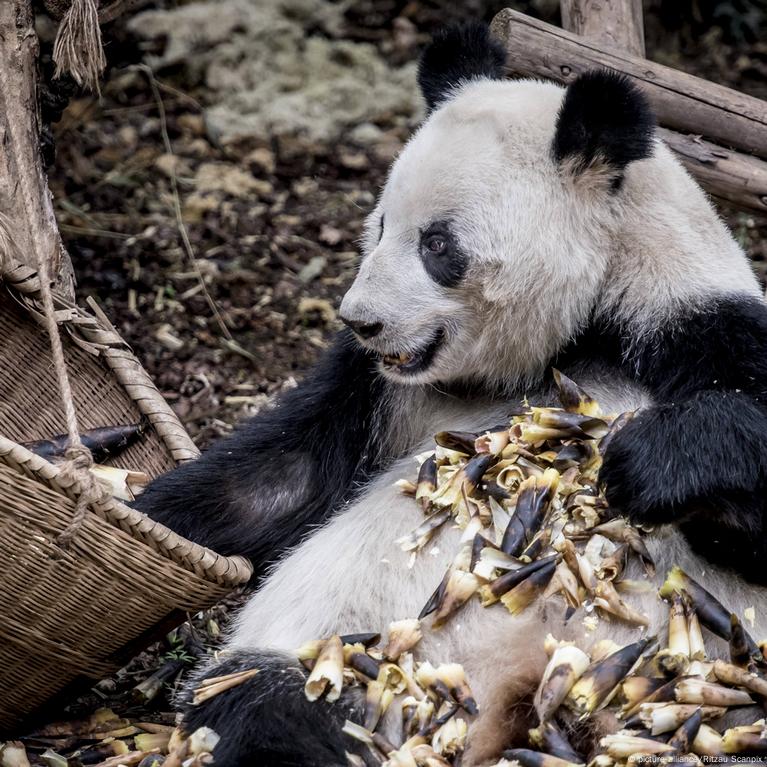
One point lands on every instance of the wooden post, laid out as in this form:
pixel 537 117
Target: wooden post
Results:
pixel 732 176
pixel 27 222
pixel 617 23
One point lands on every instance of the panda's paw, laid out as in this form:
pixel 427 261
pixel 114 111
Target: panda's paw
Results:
pixel 268 720
pixel 642 480
pixel 703 459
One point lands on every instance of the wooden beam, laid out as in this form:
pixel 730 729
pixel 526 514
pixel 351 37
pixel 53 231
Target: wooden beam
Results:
pixel 616 23
pixel 738 178
pixel 27 222
pixel 682 102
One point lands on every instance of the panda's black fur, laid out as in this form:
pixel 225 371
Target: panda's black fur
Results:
pixel 709 369
pixel 447 267
pixel 302 734
pixel 258 491
pixel 604 118
pixel 701 444
pixel 458 54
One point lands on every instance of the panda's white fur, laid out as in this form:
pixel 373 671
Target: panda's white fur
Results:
pixel 542 252
pixel 559 249
pixel 553 239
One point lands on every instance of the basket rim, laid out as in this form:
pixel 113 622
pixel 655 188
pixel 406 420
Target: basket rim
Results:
pixel 229 571
pixel 94 333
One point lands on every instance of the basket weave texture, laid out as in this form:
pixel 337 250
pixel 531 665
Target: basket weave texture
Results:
pixel 82 611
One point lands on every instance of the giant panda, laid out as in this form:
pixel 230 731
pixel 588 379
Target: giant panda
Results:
pixel 524 225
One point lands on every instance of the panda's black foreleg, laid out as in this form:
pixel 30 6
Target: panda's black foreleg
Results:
pixel 700 463
pixel 256 492
pixel 698 458
pixel 268 721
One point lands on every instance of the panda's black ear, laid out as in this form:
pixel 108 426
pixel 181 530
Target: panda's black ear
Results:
pixel 605 122
pixel 456 54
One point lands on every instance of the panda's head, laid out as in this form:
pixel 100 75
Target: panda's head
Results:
pixel 490 240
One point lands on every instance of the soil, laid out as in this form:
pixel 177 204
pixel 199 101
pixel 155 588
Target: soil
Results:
pixel 272 208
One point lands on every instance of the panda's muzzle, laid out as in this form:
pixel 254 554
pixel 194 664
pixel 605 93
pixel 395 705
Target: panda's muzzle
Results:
pixel 409 363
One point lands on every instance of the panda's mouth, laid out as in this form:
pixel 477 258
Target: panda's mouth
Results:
pixel 409 363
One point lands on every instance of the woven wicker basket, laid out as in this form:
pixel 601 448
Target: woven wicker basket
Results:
pixel 83 611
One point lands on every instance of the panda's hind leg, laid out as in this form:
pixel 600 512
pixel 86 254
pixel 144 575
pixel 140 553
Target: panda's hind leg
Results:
pixel 267 720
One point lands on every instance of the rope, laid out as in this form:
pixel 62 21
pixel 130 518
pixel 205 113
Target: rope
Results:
pixel 78 49
pixel 78 459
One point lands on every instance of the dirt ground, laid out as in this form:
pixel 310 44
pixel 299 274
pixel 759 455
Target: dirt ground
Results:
pixel 267 171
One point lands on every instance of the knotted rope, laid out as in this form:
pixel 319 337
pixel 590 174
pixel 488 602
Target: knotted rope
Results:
pixel 78 459
pixel 78 49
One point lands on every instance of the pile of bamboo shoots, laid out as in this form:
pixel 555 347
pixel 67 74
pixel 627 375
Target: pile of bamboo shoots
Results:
pixel 106 740
pixel 668 703
pixel 533 516
pixel 430 698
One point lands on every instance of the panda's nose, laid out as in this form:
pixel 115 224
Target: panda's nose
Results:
pixel 365 330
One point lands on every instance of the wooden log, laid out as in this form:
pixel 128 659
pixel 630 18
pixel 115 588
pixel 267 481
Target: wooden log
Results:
pixel 738 178
pixel 685 103
pixel 27 222
pixel 616 23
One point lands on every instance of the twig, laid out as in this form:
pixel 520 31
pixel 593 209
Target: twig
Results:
pixel 178 93
pixel 93 232
pixel 177 204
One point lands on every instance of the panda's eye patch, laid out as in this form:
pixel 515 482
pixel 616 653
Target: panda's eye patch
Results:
pixel 441 255
pixel 381 230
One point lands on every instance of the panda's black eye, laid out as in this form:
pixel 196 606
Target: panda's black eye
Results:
pixel 436 244
pixel 441 255
pixel 381 230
